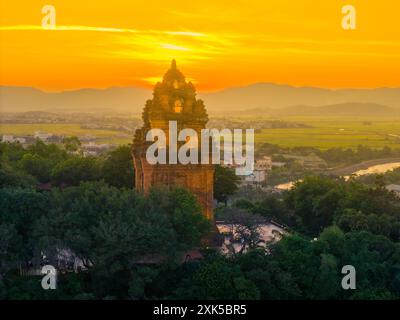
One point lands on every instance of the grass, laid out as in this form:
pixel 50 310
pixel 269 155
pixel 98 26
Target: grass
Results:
pixel 103 136
pixel 58 129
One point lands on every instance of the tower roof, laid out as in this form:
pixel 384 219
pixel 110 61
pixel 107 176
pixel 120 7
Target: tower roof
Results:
pixel 173 74
pixel 174 98
pixel 173 64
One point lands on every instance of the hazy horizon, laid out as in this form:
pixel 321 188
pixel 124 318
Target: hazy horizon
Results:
pixel 150 87
pixel 262 96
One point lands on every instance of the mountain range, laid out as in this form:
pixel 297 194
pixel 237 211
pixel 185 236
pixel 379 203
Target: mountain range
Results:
pixel 349 109
pixel 265 98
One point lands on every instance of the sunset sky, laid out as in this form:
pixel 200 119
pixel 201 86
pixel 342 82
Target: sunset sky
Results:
pixel 217 44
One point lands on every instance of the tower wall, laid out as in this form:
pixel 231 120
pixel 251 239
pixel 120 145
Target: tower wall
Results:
pixel 197 178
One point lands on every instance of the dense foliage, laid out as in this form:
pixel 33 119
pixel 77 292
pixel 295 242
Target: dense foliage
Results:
pixel 109 229
pixel 50 164
pixel 133 246
pixel 225 183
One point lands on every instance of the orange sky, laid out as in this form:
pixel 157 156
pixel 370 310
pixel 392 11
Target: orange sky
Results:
pixel 217 44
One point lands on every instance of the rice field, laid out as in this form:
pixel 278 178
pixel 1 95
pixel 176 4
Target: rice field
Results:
pixel 103 136
pixel 325 133
pixel 328 133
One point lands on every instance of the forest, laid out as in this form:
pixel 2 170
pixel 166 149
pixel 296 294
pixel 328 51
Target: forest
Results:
pixel 131 246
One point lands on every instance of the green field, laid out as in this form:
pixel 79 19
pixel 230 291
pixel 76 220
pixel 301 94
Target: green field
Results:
pixel 335 132
pixel 104 136
pixel 325 133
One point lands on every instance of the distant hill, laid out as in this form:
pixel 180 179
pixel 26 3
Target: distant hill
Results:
pixel 275 96
pixel 118 100
pixel 258 97
pixel 339 110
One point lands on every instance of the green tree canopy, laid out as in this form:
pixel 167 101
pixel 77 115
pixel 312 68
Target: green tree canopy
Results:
pixel 226 183
pixel 117 169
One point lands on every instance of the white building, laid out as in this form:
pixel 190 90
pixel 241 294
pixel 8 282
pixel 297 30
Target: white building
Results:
pixel 259 174
pixel 257 177
pixel 42 136
pixel 20 140
pixel 11 139
pixel 93 149
pixel 7 138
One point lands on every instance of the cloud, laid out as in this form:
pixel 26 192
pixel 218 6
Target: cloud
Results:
pixel 145 44
pixel 189 46
pixel 98 29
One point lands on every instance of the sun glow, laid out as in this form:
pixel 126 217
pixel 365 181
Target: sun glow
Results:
pixel 126 43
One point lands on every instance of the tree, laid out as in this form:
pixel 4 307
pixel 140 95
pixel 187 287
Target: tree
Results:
pixel 245 229
pixel 71 143
pixel 353 220
pixel 111 229
pixel 315 201
pixel 73 171
pixel 301 259
pixel 11 152
pixel 184 213
pixel 13 177
pixel 334 240
pixel 215 280
pixel 246 289
pixel 327 282
pixel 371 199
pixel 50 151
pixel 10 246
pixel 141 277
pixel 272 281
pixel 244 204
pixel 226 183
pixel 117 169
pixel 273 207
pixel 21 210
pixel 37 166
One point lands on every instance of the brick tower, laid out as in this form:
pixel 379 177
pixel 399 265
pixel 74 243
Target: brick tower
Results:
pixel 174 99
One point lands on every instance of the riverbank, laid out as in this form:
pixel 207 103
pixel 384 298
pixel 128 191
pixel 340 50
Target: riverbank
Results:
pixel 348 170
pixel 356 169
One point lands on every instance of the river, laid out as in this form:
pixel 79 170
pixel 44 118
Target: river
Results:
pixel 380 168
